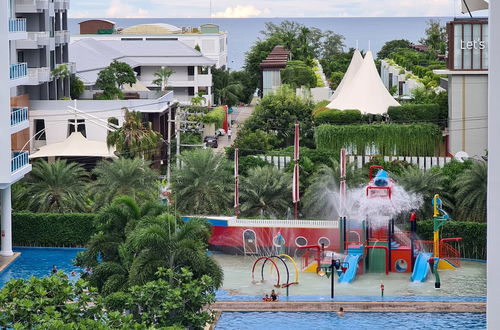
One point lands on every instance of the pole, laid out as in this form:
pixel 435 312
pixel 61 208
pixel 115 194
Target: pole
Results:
pixel 344 220
pixel 332 266
pixel 295 185
pixel 178 146
pixel 169 138
pixel 389 241
pixel 413 223
pixel 236 187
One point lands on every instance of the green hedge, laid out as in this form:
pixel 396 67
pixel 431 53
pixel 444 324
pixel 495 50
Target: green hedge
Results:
pixel 409 113
pixel 334 116
pixel 51 229
pixel 473 235
pixel 216 116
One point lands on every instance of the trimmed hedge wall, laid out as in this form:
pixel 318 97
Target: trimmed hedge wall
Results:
pixel 409 113
pixel 52 229
pixel 334 116
pixel 473 244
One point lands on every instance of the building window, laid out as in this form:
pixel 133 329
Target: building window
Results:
pixel 301 241
pixel 401 88
pixel 80 126
pixel 190 70
pixel 190 91
pixel 324 240
pixel 390 80
pixel 40 130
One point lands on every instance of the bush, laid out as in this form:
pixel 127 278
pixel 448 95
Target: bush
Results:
pixel 297 74
pixel 248 162
pixel 117 301
pixel 216 116
pixel 409 113
pixel 50 229
pixel 473 244
pixel 339 117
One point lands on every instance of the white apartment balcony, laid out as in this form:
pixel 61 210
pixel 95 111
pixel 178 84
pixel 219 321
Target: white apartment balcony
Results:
pixel 34 40
pixel 18 120
pixel 62 37
pixel 31 6
pixel 38 76
pixel 61 4
pixel 17 29
pixel 19 165
pixel 204 80
pixel 18 74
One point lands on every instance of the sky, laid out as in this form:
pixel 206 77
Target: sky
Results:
pixel 262 8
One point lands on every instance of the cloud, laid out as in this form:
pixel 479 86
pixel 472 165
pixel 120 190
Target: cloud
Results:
pixel 241 12
pixel 118 8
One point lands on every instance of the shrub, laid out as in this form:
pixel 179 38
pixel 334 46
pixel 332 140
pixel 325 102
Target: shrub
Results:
pixel 117 301
pixel 248 162
pixel 409 113
pixel 473 244
pixel 51 229
pixel 216 116
pixel 339 117
pixel 297 74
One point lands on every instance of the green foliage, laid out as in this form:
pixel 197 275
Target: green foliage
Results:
pixel 424 95
pixel 403 140
pixel 392 46
pixel 471 190
pixel 436 37
pixel 420 63
pixel 123 176
pixel 396 167
pixel 112 78
pixel 338 63
pixel 335 79
pixel 277 113
pixel 410 113
pixel 297 74
pixel 76 87
pixel 216 116
pixel 253 142
pixel 245 79
pixel 135 138
pixel 61 71
pixel 473 244
pixel 52 229
pixel 265 192
pixel 57 187
pixel 161 77
pixel 339 117
pixel 203 183
pixel 248 162
pixel 228 90
pixel 197 47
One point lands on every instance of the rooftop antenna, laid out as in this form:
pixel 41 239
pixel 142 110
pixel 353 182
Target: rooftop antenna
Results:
pixel 210 10
pixel 357 45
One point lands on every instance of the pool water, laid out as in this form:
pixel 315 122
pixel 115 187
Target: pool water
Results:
pixel 372 321
pixel 38 262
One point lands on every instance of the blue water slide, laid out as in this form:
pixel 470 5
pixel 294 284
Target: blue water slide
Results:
pixel 350 273
pixel 422 268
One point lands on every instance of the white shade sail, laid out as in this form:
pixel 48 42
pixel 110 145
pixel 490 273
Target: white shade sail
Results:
pixel 365 91
pixel 76 145
pixel 353 68
pixel 474 5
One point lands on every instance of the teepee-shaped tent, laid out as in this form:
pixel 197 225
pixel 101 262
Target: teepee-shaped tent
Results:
pixel 365 91
pixel 354 66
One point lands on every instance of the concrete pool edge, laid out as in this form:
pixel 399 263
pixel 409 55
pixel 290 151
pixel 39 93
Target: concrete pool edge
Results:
pixel 6 261
pixel 351 306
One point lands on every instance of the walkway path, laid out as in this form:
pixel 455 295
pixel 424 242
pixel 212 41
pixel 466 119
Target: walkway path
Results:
pixel 239 116
pixel 351 306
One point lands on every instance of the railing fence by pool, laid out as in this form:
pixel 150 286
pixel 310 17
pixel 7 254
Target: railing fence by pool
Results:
pixel 283 223
pixel 18 115
pixel 19 161
pixel 19 70
pixel 17 25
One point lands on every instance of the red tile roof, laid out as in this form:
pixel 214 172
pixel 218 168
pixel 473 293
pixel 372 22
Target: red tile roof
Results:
pixel 277 59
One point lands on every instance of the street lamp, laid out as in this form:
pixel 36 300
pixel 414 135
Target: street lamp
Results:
pixel 336 266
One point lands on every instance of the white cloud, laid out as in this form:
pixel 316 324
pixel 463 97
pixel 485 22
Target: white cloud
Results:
pixel 118 8
pixel 241 12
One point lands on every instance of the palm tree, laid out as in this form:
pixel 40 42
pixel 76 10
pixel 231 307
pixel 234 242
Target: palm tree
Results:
pixel 123 176
pixel 162 77
pixel 56 187
pixel 157 242
pixel 266 191
pixel 471 190
pixel 135 138
pixel 227 92
pixel 319 198
pixel 203 183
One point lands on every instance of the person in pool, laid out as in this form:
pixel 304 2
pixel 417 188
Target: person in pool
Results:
pixel 274 296
pixel 54 269
pixel 341 311
pixel 266 298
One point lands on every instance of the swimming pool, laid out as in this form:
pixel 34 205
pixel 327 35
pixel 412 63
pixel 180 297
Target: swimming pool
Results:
pixel 306 321
pixel 38 262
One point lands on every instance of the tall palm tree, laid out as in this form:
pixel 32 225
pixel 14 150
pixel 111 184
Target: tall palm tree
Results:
pixel 266 191
pixel 135 138
pixel 203 183
pixel 319 198
pixel 227 92
pixel 162 77
pixel 123 176
pixel 471 190
pixel 56 187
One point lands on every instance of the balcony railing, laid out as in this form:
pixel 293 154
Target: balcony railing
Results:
pixel 19 70
pixel 17 25
pixel 19 160
pixel 18 115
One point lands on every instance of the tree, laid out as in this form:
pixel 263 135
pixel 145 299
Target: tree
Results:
pixel 297 74
pixel 436 37
pixel 226 91
pixel 162 76
pixel 112 78
pixel 471 191
pixel 203 183
pixel 266 192
pixel 197 47
pixel 61 71
pixel 58 187
pixel 198 100
pixel 123 176
pixel 135 138
pixel 76 87
pixel 253 142
pixel 335 79
pixel 392 46
pixel 333 44
pixel 124 73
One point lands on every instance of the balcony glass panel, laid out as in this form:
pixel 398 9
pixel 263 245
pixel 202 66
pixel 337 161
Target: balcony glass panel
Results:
pixel 18 70
pixel 17 25
pixel 18 115
pixel 19 160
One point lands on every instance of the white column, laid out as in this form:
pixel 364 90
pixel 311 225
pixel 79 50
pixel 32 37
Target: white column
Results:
pixel 6 225
pixel 196 83
pixel 493 265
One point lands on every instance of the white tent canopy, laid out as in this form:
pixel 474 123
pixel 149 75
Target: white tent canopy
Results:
pixel 474 5
pixel 356 61
pixel 365 91
pixel 76 145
